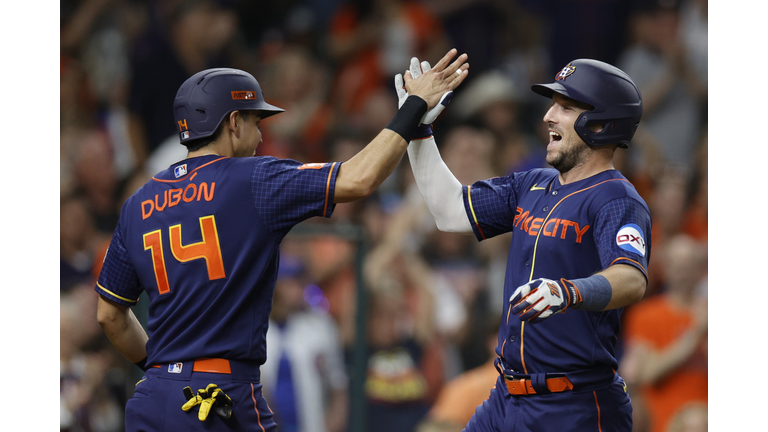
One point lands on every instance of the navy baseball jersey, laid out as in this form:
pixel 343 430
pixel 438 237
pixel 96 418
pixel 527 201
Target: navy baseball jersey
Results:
pixel 202 239
pixel 561 231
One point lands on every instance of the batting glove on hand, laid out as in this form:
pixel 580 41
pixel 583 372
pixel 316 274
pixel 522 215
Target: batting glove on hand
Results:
pixel 210 398
pixel 541 298
pixel 417 69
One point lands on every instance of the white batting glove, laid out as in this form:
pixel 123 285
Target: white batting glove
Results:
pixel 417 69
pixel 541 298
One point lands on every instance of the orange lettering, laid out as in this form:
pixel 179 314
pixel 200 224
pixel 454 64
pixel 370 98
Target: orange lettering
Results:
pixel 526 222
pixel 535 225
pixel 200 192
pixel 153 242
pixel 550 233
pixel 182 124
pixel 520 218
pixel 175 197
pixel 144 213
pixel 208 249
pixel 566 224
pixel 165 201
pixel 580 233
pixel 194 192
pixel 557 225
pixel 517 215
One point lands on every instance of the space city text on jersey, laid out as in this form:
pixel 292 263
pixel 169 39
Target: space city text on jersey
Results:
pixel 532 225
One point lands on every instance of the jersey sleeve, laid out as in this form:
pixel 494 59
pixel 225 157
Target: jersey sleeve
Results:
pixel 118 280
pixel 287 192
pixel 623 234
pixel 491 205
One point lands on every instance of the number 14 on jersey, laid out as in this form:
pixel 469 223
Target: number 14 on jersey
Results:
pixel 208 249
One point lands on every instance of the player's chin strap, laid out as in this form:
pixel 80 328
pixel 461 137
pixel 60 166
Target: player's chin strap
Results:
pixel 212 397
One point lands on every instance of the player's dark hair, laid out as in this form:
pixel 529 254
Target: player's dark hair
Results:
pixel 197 144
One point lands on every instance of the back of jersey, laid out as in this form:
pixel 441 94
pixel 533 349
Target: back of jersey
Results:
pixel 202 238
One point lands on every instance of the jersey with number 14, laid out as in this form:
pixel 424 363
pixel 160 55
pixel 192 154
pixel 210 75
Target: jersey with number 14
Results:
pixel 202 239
pixel 561 231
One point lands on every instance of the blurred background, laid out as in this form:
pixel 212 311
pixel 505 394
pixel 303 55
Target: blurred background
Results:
pixel 380 321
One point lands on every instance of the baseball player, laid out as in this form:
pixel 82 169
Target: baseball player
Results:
pixel 579 253
pixel 202 239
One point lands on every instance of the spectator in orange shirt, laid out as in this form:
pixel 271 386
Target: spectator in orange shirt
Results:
pixel 666 357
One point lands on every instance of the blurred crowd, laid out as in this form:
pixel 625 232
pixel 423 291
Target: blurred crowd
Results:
pixel 433 299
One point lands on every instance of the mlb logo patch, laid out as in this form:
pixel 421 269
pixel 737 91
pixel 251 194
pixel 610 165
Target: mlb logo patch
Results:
pixel 564 72
pixel 180 170
pixel 630 238
pixel 185 135
pixel 175 367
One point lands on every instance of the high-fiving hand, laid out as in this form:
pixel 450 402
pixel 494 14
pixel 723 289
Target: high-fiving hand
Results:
pixel 431 84
pixel 416 70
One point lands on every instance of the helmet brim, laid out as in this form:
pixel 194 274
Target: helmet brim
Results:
pixel 547 90
pixel 267 110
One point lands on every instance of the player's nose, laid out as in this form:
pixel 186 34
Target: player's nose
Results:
pixel 549 115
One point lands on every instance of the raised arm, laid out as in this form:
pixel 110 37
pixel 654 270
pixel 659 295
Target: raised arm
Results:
pixel 441 190
pixel 363 173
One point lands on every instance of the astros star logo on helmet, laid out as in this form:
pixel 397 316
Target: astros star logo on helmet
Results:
pixel 564 72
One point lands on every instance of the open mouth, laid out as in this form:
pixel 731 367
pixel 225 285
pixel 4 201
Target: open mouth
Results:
pixel 554 136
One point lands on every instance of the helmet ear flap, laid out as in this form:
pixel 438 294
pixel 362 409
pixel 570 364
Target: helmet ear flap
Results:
pixel 614 130
pixel 598 127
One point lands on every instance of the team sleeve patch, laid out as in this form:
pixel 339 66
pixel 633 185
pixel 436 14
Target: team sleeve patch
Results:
pixel 312 166
pixel 630 238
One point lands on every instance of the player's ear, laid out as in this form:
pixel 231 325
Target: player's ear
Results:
pixel 234 117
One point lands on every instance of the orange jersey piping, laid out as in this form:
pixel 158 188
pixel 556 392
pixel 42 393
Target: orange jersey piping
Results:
pixel 631 260
pixel 599 426
pixel 189 173
pixel 256 408
pixel 328 189
pixel 471 209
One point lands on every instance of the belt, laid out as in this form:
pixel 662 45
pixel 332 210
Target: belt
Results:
pixel 524 387
pixel 210 365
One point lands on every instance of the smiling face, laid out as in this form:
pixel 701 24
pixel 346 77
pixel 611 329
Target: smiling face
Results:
pixel 566 149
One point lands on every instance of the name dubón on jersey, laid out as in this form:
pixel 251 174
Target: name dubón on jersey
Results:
pixel 531 225
pixel 172 197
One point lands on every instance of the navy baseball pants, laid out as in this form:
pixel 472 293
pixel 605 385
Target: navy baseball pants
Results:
pixel 157 400
pixel 607 409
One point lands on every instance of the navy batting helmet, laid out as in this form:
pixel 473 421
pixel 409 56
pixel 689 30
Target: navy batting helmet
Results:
pixel 208 96
pixel 614 97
